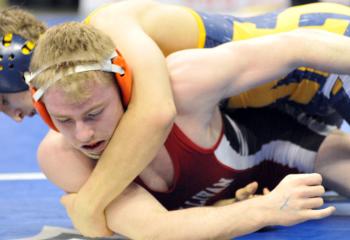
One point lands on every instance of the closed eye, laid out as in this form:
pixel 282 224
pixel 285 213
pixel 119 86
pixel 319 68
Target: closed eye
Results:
pixel 4 101
pixel 63 120
pixel 94 114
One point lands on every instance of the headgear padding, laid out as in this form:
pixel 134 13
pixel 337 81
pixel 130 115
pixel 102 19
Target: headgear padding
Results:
pixel 15 55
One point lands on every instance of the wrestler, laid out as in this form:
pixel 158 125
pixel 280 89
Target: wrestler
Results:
pixel 154 30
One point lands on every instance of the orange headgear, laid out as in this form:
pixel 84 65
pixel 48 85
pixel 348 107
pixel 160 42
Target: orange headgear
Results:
pixel 115 63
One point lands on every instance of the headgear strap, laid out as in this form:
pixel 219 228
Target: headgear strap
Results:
pixel 105 66
pixel 115 63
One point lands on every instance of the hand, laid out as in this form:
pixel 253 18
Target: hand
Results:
pixel 87 223
pixel 240 195
pixel 246 192
pixel 296 199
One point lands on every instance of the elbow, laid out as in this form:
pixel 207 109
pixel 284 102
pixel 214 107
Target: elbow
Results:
pixel 156 115
pixel 162 121
pixel 162 117
pixel 167 115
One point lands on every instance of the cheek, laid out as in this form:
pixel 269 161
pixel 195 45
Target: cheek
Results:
pixel 61 127
pixel 111 120
pixel 21 100
pixel 66 131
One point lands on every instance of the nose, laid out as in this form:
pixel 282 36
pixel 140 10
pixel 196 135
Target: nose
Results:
pixel 16 114
pixel 83 132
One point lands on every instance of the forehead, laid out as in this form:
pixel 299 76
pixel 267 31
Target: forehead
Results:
pixel 15 96
pixel 60 101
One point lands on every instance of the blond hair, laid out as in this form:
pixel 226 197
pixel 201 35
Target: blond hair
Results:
pixel 17 21
pixel 65 46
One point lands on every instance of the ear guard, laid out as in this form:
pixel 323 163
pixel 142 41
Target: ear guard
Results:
pixel 115 63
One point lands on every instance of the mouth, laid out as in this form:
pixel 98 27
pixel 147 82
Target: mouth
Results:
pixel 32 113
pixel 96 147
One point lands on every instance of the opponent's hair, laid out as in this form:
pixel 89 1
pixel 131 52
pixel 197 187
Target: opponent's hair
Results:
pixel 65 46
pixel 17 21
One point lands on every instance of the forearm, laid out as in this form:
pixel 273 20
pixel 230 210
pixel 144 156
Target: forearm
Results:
pixel 274 56
pixel 144 126
pixel 135 144
pixel 213 222
pixel 322 50
pixel 138 215
pixel 197 223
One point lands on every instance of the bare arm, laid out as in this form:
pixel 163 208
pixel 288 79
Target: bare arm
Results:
pixel 132 212
pixel 148 119
pixel 290 203
pixel 63 165
pixel 235 67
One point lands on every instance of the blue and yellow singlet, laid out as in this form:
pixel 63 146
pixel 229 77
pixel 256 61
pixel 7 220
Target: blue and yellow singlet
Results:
pixel 318 93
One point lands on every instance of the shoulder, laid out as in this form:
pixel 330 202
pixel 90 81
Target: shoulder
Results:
pixel 51 140
pixel 53 146
pixel 57 156
pixel 129 9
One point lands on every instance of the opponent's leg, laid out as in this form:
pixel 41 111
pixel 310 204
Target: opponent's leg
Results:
pixel 333 162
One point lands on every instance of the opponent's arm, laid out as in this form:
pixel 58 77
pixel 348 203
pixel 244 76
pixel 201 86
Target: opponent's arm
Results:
pixel 235 67
pixel 142 129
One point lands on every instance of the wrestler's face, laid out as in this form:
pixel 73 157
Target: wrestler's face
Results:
pixel 88 124
pixel 17 105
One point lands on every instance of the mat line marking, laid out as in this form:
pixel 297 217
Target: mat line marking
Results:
pixel 22 176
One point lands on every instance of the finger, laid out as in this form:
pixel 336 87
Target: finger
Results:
pixel 319 213
pixel 312 203
pixel 266 191
pixel 310 179
pixel 252 187
pixel 312 191
pixel 224 202
pixel 244 193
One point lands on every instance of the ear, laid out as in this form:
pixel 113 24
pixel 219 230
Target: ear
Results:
pixel 124 81
pixel 42 111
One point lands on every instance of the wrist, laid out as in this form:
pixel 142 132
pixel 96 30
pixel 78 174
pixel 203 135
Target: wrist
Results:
pixel 90 201
pixel 265 215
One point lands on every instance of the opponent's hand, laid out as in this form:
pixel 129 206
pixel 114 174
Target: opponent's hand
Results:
pixel 240 195
pixel 88 223
pixel 246 192
pixel 296 199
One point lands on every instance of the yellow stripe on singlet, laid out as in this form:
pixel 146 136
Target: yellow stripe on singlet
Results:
pixel 269 93
pixel 201 27
pixel 337 86
pixel 289 19
pixel 93 13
